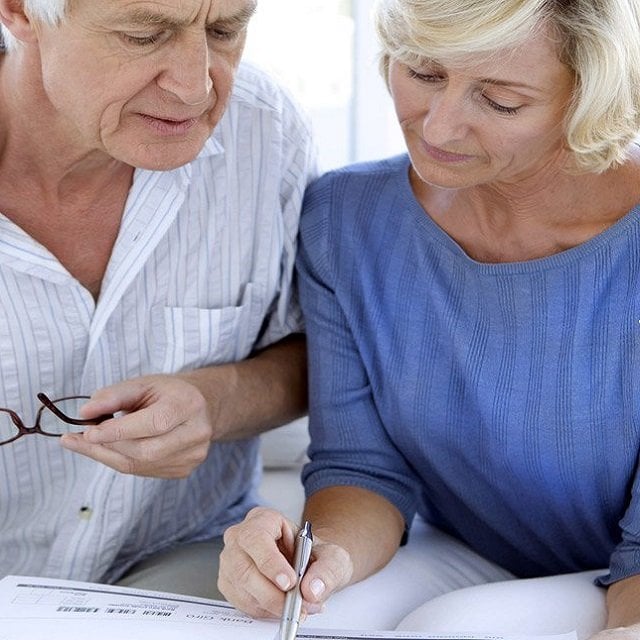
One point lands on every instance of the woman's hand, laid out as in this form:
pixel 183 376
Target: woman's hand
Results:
pixel 619 633
pixel 256 572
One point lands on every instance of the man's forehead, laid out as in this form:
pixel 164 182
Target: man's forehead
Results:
pixel 181 11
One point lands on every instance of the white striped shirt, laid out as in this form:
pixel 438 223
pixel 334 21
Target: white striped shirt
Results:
pixel 200 274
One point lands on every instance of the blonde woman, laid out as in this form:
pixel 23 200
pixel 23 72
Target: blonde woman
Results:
pixel 473 314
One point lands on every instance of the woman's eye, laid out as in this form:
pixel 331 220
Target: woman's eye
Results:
pixel 500 108
pixel 424 77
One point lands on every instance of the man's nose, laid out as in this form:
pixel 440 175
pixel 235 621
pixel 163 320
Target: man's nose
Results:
pixel 186 74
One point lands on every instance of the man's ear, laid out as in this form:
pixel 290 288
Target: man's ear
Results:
pixel 14 18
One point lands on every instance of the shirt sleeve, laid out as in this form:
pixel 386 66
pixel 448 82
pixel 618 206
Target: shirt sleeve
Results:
pixel 349 443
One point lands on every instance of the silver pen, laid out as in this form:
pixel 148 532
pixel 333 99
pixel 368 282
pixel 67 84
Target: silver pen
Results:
pixel 293 600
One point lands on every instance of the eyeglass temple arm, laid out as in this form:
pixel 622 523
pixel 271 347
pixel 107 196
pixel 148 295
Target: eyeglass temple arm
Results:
pixel 63 416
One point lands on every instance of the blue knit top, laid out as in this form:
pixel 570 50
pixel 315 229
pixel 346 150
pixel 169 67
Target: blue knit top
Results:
pixel 500 401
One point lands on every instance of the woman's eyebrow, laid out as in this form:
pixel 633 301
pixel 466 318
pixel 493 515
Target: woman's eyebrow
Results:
pixel 510 84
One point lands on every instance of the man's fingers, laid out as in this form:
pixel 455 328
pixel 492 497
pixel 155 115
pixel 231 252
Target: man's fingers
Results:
pixel 99 453
pixel 144 423
pixel 126 457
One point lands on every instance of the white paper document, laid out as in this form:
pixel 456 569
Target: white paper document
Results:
pixel 41 608
pixel 47 609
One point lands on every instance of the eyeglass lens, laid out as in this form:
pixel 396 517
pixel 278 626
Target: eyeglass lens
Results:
pixel 48 421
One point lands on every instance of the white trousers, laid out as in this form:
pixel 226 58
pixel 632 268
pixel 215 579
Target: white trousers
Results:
pixel 437 585
pixel 190 570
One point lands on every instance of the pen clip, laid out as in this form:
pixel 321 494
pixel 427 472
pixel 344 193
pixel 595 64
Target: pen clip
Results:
pixel 302 552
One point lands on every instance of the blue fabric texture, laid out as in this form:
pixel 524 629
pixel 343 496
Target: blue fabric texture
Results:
pixel 500 401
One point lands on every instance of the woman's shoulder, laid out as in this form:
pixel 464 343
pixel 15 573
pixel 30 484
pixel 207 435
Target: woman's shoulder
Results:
pixel 347 202
pixel 362 175
pixel 365 186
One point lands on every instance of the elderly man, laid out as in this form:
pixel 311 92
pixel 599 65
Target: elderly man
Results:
pixel 150 188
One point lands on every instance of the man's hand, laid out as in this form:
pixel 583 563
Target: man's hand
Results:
pixel 162 428
pixel 165 424
pixel 256 572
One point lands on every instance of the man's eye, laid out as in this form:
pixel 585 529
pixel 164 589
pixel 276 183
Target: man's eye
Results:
pixel 223 34
pixel 143 40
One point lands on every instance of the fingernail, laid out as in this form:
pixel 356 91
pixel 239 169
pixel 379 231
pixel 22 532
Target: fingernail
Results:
pixel 317 587
pixel 282 581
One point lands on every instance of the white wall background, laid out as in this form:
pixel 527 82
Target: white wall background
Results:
pixel 325 52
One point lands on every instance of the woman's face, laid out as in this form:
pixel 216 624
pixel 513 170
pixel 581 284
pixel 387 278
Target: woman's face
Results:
pixel 497 121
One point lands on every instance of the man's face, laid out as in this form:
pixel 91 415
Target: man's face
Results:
pixel 144 81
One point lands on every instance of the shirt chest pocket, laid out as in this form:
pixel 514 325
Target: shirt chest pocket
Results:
pixel 191 337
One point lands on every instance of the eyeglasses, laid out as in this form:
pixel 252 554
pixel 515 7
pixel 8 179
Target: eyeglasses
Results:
pixel 53 419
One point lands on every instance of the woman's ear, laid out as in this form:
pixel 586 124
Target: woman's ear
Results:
pixel 16 21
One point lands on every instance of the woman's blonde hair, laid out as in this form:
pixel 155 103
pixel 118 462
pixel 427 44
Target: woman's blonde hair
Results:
pixel 46 11
pixel 599 40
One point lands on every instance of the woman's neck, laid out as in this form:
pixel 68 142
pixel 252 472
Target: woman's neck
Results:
pixel 525 221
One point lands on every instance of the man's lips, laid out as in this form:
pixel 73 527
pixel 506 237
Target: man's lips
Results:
pixel 169 124
pixel 171 118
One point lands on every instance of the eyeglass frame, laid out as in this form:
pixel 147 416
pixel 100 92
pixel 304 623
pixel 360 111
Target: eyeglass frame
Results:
pixel 47 403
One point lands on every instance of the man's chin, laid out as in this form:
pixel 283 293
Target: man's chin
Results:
pixel 161 164
pixel 162 160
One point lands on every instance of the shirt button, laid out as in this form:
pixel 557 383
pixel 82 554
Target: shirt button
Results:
pixel 85 513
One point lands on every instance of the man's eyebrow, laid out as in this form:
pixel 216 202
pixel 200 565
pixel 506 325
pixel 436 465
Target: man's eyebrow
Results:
pixel 145 17
pixel 239 19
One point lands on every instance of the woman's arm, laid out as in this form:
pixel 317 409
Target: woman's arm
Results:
pixel 356 532
pixel 365 526
pixel 623 603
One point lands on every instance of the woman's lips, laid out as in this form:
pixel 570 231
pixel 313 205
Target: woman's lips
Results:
pixel 444 156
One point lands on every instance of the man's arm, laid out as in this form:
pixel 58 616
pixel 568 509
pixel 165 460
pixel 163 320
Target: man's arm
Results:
pixel 254 395
pixel 165 424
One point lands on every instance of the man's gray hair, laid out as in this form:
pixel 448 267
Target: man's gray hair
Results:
pixel 47 11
